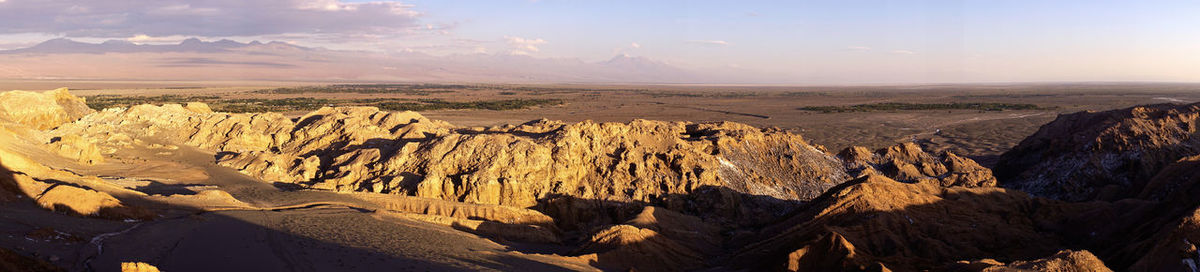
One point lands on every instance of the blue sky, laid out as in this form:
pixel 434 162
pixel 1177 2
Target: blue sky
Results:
pixel 930 41
pixel 801 41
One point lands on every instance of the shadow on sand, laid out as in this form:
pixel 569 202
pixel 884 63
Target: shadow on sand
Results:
pixel 321 238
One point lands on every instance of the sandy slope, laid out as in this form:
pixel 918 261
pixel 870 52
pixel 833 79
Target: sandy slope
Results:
pixel 212 218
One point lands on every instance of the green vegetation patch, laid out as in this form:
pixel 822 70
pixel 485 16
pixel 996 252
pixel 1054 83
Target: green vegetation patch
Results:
pixel 265 105
pixel 408 89
pixel 438 104
pixel 804 94
pixel 704 94
pixel 923 106
pixel 100 102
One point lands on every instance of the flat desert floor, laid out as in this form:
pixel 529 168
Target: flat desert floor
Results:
pixel 979 134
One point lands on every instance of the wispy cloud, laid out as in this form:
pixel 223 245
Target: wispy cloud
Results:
pixel 709 42
pixel 219 18
pixel 523 46
pixel 626 50
pixel 144 39
pixel 903 52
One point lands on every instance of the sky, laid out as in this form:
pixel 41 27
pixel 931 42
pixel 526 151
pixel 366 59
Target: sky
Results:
pixel 844 41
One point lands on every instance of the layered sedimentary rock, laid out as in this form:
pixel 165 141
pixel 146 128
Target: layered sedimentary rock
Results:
pixel 739 174
pixel 117 128
pixel 1101 155
pixel 875 223
pixel 42 110
pixel 23 117
pixel 80 149
pixel 908 163
pixel 362 149
pixel 330 148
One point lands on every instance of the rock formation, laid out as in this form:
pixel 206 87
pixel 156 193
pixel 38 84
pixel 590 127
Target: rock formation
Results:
pixel 42 110
pixel 83 150
pixel 362 149
pixel 906 162
pixel 1089 192
pixel 22 177
pixel 117 128
pixel 138 267
pixel 875 222
pixel 1101 155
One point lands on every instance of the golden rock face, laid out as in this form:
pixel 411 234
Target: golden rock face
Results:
pixel 516 166
pixel 364 149
pixel 137 267
pixel 42 110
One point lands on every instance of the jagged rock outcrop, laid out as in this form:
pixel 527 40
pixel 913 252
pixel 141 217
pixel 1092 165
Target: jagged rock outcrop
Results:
pixel 908 163
pixel 116 128
pixel 337 144
pixel 1063 261
pixel 24 116
pixel 362 149
pixel 1145 160
pixel 876 223
pixel 585 174
pixel 82 150
pixel 1101 155
pixel 137 267
pixel 42 110
pixel 744 173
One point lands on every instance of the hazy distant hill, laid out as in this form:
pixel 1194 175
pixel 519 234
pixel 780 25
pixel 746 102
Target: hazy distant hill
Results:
pixel 195 59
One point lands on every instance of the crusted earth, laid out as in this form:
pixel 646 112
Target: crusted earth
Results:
pixel 357 188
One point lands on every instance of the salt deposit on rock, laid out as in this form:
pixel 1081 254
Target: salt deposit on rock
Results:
pixel 1101 155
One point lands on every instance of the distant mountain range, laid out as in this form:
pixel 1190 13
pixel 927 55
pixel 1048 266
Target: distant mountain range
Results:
pixel 67 46
pixel 194 59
